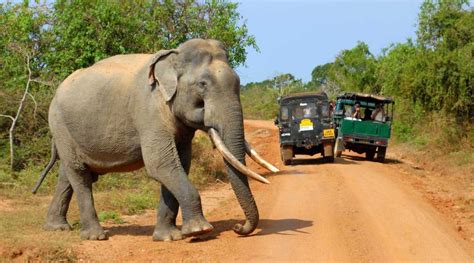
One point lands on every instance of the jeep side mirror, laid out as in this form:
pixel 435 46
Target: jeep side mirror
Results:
pixel 276 121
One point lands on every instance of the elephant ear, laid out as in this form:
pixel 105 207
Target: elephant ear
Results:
pixel 161 70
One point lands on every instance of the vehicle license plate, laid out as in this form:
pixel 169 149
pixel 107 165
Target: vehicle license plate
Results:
pixel 328 132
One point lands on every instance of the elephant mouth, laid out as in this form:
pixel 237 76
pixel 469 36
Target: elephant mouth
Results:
pixel 224 151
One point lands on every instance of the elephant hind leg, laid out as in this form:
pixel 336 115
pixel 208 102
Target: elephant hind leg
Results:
pixel 165 229
pixel 56 218
pixel 81 181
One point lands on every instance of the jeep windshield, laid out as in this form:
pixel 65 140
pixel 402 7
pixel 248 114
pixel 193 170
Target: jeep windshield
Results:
pixel 303 110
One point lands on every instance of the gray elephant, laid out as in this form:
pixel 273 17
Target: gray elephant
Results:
pixel 130 111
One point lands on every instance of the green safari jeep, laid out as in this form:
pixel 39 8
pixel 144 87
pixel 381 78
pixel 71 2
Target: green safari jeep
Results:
pixel 363 124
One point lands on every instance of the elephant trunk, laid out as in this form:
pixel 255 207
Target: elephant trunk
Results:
pixel 232 133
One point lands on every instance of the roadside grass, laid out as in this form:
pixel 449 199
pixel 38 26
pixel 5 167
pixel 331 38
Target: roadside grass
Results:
pixel 444 151
pixel 115 195
pixel 207 166
pixel 22 237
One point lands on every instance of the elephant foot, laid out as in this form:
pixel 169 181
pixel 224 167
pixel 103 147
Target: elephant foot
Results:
pixel 196 227
pixel 57 225
pixel 169 233
pixel 94 234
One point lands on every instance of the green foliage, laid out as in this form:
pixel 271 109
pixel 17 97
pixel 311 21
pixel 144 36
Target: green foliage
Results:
pixel 111 216
pixel 431 79
pixel 446 46
pixel 259 100
pixel 88 31
pixel 207 165
pixel 354 70
pixel 320 74
pixel 58 37
pixel 136 203
pixel 129 201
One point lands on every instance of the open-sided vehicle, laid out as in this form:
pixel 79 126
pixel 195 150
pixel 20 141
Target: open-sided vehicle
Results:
pixel 305 126
pixel 363 124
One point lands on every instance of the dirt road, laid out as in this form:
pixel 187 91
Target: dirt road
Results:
pixel 352 210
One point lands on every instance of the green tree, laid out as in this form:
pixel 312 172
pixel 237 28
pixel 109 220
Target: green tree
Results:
pixel 89 30
pixel 259 99
pixel 355 70
pixel 321 74
pixel 58 37
pixel 446 40
pixel 21 88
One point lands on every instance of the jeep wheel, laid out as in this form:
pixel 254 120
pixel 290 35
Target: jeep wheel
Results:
pixel 381 154
pixel 369 155
pixel 338 147
pixel 286 154
pixel 328 153
pixel 329 159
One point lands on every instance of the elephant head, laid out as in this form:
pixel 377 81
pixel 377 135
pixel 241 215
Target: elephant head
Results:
pixel 203 92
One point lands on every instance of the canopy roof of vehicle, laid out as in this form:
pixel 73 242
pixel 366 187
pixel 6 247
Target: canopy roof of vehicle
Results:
pixel 365 97
pixel 303 95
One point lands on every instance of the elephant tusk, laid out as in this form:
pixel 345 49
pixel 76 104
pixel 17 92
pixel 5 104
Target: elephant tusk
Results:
pixel 216 139
pixel 258 159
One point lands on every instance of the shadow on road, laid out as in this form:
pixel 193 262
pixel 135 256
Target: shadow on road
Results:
pixel 291 172
pixel 265 227
pixel 282 226
pixel 363 159
pixel 310 161
pixel 307 161
pixel 132 230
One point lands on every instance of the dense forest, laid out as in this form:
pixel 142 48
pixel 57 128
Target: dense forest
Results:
pixel 430 77
pixel 42 42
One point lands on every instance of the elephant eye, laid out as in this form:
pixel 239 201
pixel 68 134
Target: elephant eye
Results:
pixel 202 84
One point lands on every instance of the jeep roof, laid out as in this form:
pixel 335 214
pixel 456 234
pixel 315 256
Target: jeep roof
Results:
pixel 365 97
pixel 303 95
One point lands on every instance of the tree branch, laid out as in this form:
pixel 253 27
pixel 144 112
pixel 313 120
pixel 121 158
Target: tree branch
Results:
pixel 7 116
pixel 20 108
pixel 36 105
pixel 50 84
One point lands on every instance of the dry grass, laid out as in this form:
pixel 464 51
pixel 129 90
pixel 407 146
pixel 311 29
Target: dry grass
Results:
pixel 116 195
pixel 22 237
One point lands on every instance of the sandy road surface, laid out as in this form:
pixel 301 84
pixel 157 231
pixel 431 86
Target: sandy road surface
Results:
pixel 352 210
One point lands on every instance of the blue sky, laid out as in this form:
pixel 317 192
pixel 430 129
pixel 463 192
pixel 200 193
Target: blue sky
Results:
pixel 296 36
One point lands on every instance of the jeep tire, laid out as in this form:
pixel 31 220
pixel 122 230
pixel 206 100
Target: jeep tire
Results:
pixel 286 154
pixel 381 154
pixel 369 154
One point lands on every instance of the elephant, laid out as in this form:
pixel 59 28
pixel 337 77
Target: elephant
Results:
pixel 130 111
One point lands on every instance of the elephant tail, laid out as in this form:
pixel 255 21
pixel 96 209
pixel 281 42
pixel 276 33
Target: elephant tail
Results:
pixel 54 158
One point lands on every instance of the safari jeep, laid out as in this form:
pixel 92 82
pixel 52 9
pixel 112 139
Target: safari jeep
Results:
pixel 305 126
pixel 366 131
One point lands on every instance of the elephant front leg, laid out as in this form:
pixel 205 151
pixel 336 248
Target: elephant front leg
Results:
pixel 56 218
pixel 81 181
pixel 166 229
pixel 176 191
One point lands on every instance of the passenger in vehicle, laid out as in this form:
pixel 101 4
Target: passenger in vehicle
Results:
pixel 356 111
pixel 307 112
pixel 378 114
pixel 298 113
